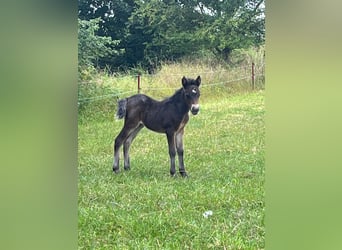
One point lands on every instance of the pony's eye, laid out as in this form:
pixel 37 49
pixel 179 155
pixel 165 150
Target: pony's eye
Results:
pixel 194 91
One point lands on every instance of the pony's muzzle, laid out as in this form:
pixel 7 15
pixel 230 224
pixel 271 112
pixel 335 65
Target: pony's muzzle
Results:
pixel 194 109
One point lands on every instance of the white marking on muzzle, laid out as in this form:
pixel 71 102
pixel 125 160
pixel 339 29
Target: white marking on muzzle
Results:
pixel 195 107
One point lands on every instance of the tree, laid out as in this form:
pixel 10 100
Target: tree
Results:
pixel 167 30
pixel 92 47
pixel 114 16
pixel 150 31
pixel 232 25
pixel 175 28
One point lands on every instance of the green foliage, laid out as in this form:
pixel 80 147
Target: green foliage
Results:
pixel 157 30
pixel 233 25
pixel 92 47
pixel 146 209
pixel 248 56
pixel 170 27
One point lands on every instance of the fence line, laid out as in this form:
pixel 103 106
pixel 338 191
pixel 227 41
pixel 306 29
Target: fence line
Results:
pixel 97 98
pixel 118 76
pixel 196 73
pixel 252 75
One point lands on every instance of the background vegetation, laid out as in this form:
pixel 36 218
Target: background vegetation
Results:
pixel 132 33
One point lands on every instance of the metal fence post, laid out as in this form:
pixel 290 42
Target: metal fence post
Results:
pixel 139 88
pixel 253 76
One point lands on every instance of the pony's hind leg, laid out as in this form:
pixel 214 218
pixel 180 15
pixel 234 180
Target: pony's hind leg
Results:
pixel 127 145
pixel 119 140
pixel 117 144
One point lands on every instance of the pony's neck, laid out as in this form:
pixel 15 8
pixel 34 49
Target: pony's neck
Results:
pixel 179 99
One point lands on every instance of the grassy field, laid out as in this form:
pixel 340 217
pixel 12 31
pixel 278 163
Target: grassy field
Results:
pixel 147 209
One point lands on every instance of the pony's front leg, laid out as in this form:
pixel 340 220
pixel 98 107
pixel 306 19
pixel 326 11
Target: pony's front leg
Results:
pixel 172 151
pixel 180 152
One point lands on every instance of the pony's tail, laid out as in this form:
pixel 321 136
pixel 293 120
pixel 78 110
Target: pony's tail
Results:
pixel 121 108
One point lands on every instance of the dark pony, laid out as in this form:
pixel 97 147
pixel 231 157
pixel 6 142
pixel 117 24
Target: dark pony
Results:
pixel 168 116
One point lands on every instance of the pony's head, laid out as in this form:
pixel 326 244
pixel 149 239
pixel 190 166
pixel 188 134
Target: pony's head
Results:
pixel 192 93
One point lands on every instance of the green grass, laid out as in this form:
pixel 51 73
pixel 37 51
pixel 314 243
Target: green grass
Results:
pixel 147 209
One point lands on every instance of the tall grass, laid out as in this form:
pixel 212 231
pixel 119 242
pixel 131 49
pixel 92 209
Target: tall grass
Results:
pixel 100 90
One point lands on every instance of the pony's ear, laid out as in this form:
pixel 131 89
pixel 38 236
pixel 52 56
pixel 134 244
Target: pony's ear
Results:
pixel 198 80
pixel 184 82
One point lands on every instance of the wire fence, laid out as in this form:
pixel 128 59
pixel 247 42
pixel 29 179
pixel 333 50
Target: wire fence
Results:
pixel 253 75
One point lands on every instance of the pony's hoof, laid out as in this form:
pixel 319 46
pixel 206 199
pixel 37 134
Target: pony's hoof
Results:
pixel 172 174
pixel 184 174
pixel 116 171
pixel 127 168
